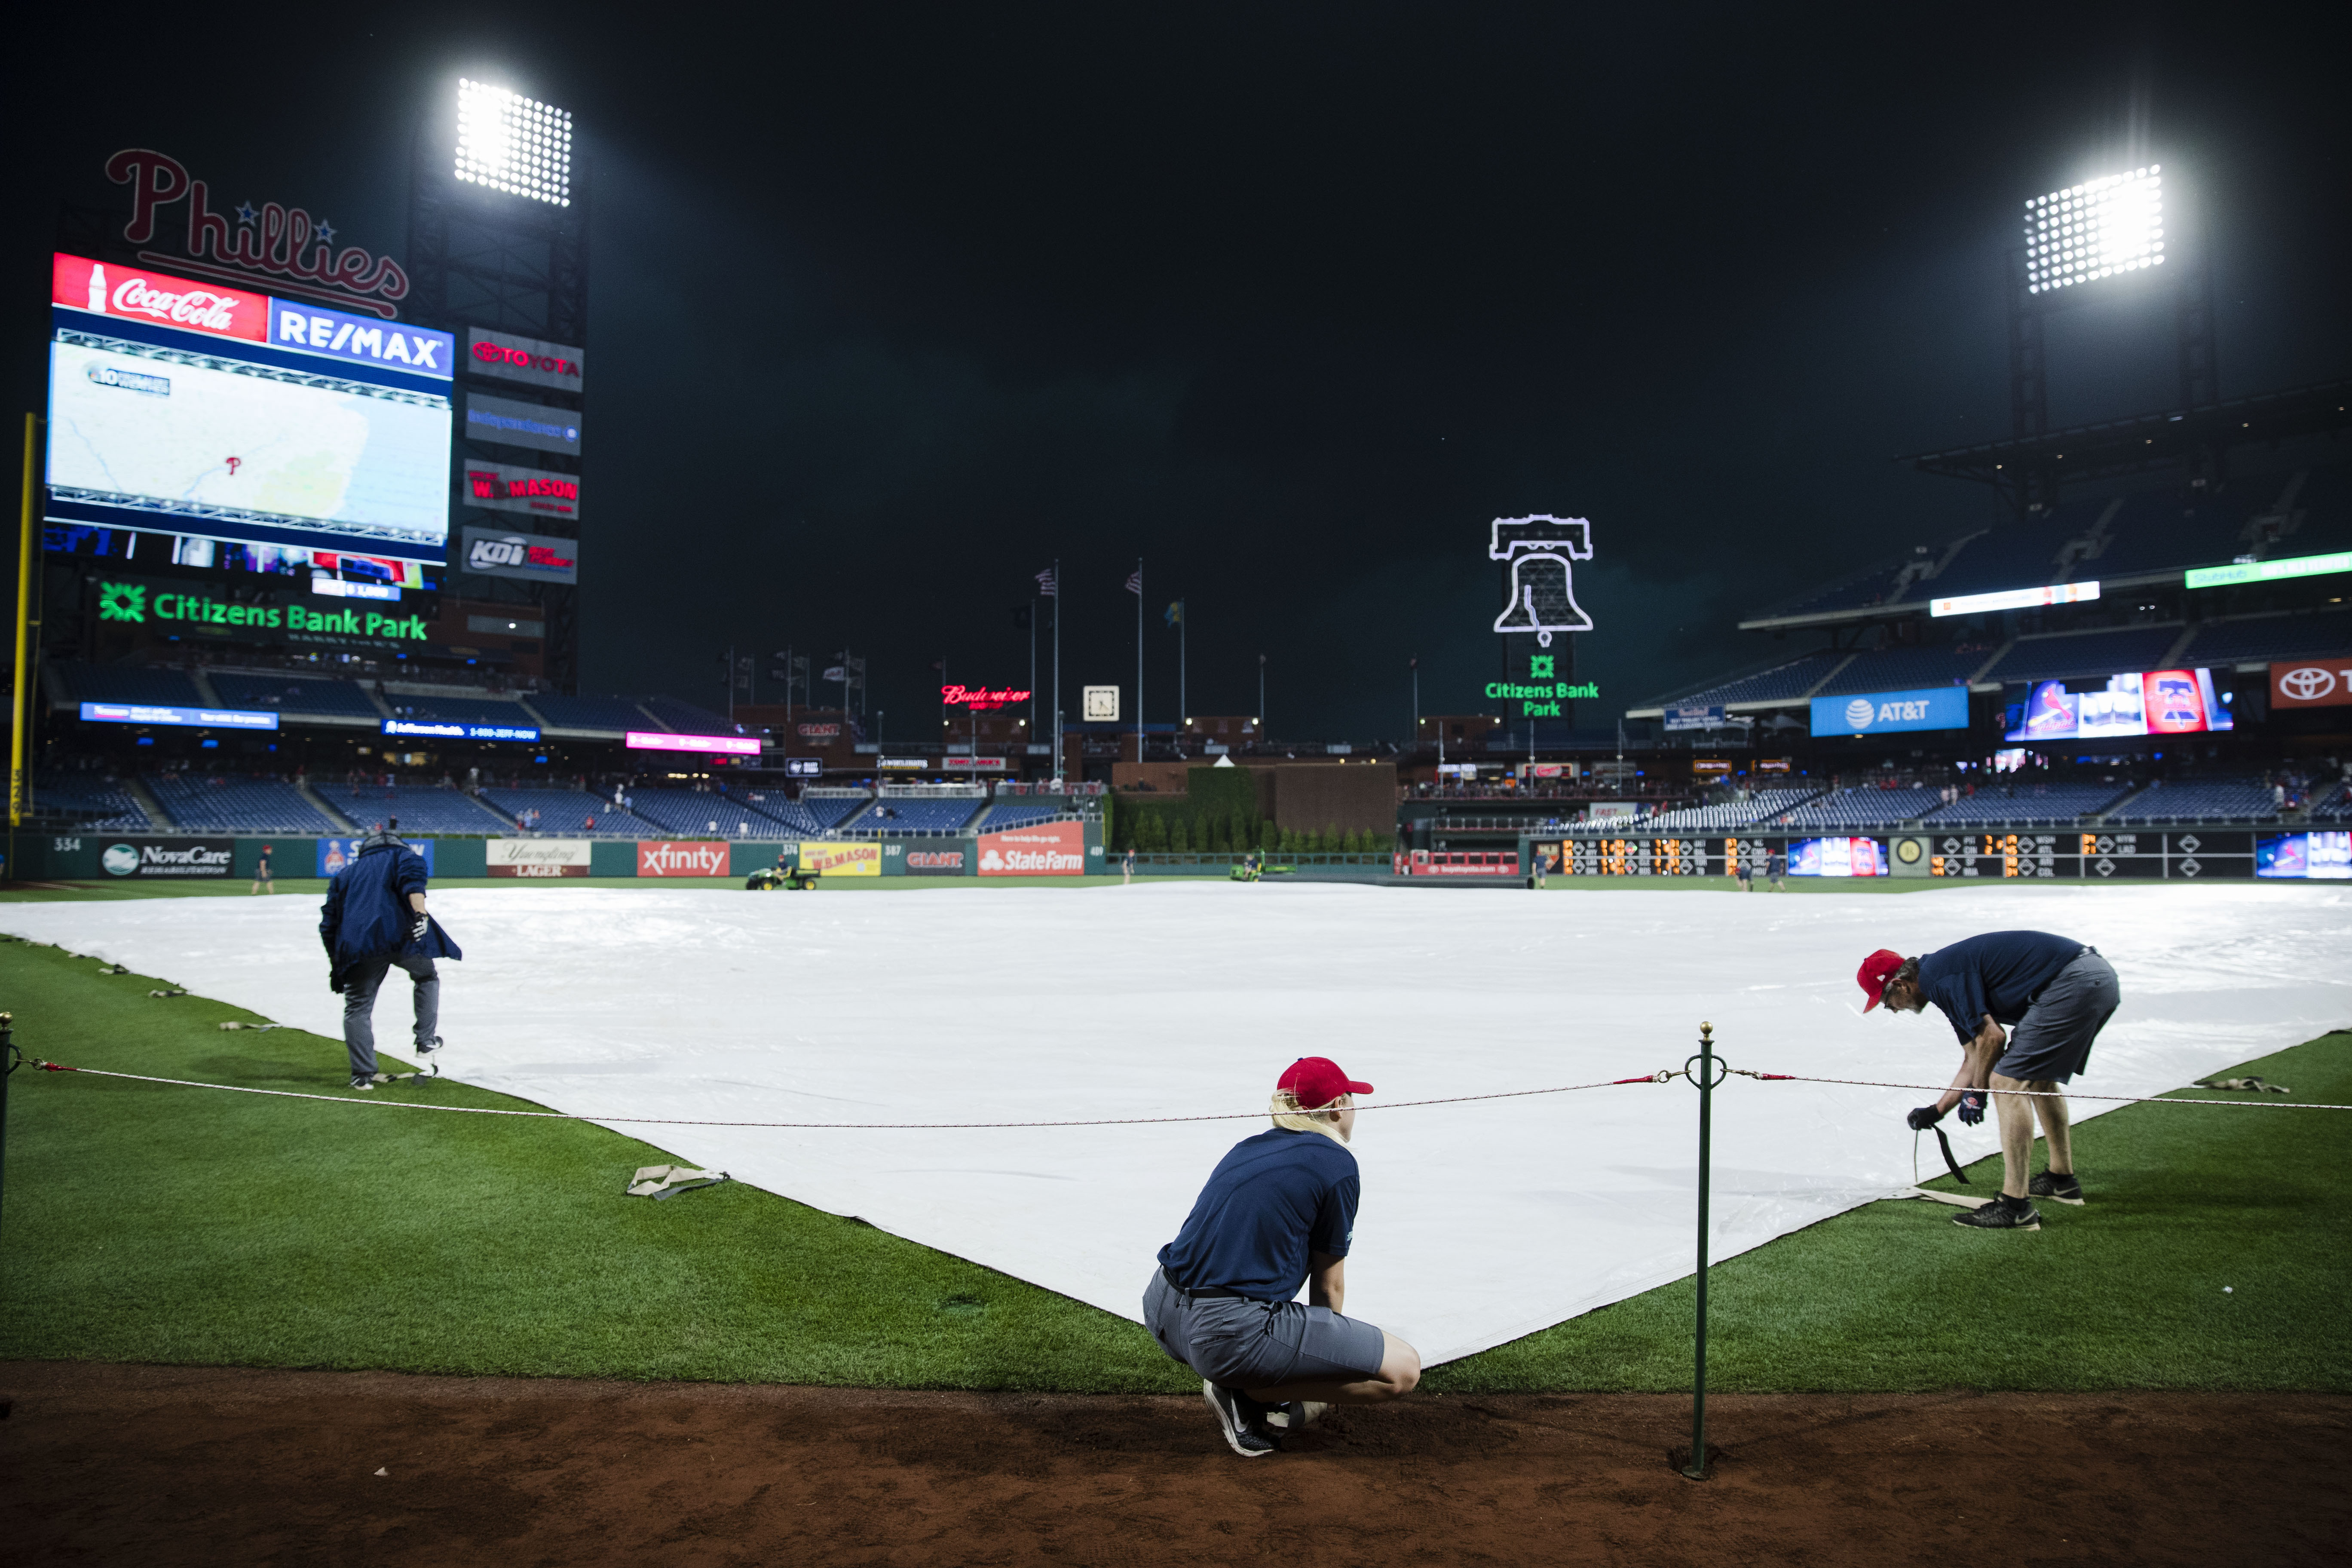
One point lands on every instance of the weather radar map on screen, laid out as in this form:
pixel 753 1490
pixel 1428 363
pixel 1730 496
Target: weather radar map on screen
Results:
pixel 219 411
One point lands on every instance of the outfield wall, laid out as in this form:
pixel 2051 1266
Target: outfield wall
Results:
pixel 1048 849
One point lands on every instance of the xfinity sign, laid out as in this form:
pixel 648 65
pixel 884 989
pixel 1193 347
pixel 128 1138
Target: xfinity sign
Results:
pixel 1884 713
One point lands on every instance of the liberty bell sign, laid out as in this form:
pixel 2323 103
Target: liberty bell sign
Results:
pixel 1543 591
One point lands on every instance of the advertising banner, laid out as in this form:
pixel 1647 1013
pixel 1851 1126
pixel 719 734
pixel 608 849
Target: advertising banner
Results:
pixel 167 856
pixel 1884 713
pixel 139 294
pixel 531 557
pixel 334 853
pixel 2327 856
pixel 701 858
pixel 2312 683
pixel 1837 857
pixel 204 718
pixel 513 424
pixel 714 745
pixel 842 859
pixel 2150 703
pixel 172 607
pixel 502 487
pixel 953 859
pixel 314 329
pixel 1048 849
pixel 512 357
pixel 452 729
pixel 1694 717
pixel 539 857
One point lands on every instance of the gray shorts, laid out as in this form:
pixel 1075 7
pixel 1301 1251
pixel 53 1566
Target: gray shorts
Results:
pixel 2052 1042
pixel 1243 1343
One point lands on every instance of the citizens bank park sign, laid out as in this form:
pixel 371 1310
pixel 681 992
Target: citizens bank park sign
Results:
pixel 280 247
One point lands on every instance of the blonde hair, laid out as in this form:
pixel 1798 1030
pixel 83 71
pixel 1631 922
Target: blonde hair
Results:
pixel 1287 1112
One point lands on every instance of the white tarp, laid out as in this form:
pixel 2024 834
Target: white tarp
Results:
pixel 1480 1223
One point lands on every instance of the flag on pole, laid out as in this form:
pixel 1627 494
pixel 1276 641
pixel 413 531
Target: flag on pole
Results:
pixel 1047 588
pixel 1174 613
pixel 1135 581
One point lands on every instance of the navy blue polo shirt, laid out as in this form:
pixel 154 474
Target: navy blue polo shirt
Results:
pixel 1272 1200
pixel 2000 972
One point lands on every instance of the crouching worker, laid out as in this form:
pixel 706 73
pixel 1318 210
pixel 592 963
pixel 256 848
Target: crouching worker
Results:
pixel 1278 1212
pixel 374 921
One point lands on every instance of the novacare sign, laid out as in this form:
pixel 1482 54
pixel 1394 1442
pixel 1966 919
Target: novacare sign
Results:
pixel 1884 713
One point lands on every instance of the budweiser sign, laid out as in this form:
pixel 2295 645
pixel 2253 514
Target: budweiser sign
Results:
pixel 981 698
pixel 281 247
pixel 140 295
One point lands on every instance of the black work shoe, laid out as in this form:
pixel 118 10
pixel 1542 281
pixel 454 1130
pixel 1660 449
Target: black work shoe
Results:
pixel 2064 1189
pixel 2003 1212
pixel 363 1082
pixel 427 1049
pixel 1243 1419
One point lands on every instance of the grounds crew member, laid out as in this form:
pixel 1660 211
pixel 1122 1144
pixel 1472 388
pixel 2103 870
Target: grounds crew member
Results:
pixel 373 922
pixel 1278 1212
pixel 2056 994
pixel 261 882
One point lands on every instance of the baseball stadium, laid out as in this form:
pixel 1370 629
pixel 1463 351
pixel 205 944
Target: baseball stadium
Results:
pixel 1874 1094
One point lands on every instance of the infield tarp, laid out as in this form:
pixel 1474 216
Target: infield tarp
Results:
pixel 1480 1223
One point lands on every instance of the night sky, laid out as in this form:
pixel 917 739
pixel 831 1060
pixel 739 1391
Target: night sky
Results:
pixel 893 305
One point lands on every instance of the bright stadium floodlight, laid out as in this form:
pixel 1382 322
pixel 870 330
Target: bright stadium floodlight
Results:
pixel 2095 230
pixel 513 143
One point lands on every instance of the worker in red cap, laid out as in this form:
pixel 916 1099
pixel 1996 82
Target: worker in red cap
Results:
pixel 2055 995
pixel 1279 1212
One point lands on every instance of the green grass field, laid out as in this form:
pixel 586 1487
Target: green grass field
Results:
pixel 153 1224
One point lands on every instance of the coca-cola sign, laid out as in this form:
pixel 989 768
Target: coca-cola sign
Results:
pixel 497 487
pixel 280 247
pixel 140 295
pixel 511 357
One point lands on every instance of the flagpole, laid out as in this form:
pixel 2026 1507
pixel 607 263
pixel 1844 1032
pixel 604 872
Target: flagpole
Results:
pixel 1139 660
pixel 1032 678
pixel 1057 670
pixel 1183 701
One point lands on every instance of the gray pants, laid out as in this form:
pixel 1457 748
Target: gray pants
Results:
pixel 360 983
pixel 2052 1042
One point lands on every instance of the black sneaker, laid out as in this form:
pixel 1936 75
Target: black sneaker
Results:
pixel 2065 1189
pixel 1243 1419
pixel 363 1082
pixel 2003 1212
pixel 425 1049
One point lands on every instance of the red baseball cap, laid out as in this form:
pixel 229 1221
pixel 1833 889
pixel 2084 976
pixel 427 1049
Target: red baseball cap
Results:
pixel 1875 971
pixel 1316 1081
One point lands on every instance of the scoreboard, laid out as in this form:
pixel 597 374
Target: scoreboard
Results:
pixel 2093 857
pixel 2058 855
pixel 1690 856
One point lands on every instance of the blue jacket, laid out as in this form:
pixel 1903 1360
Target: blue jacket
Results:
pixel 366 914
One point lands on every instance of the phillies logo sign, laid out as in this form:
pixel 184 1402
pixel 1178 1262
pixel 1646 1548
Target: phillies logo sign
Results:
pixel 282 246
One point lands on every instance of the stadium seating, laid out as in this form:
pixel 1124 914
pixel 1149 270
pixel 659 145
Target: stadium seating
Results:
pixel 88 800
pixel 893 818
pixel 227 803
pixel 2199 800
pixel 1902 668
pixel 2270 638
pixel 618 714
pixel 796 816
pixel 419 810
pixel 2083 655
pixel 2031 804
pixel 129 683
pixel 831 811
pixel 294 694
pixel 2333 807
pixel 1732 814
pixel 1781 683
pixel 1003 817
pixel 565 813
pixel 692 812
pixel 436 708
pixel 1865 807
pixel 687 719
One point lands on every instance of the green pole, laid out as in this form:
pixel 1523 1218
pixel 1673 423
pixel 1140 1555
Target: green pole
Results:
pixel 1705 1082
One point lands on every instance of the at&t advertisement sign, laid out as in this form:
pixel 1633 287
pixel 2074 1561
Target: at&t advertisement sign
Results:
pixel 1886 712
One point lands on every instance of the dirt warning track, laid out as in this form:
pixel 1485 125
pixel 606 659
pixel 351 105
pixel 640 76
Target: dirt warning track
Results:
pixel 176 1465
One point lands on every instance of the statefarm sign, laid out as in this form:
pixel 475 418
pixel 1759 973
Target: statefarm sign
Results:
pixel 281 247
pixel 699 860
pixel 1050 849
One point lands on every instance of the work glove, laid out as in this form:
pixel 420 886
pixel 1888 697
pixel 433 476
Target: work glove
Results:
pixel 417 928
pixel 1925 1117
pixel 1972 1107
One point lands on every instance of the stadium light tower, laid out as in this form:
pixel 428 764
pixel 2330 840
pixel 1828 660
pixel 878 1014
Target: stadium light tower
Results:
pixel 513 143
pixel 2095 230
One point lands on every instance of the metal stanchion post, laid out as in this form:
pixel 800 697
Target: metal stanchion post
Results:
pixel 1704 1080
pixel 8 1059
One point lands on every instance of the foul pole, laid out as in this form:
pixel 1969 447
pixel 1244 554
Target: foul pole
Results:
pixel 20 685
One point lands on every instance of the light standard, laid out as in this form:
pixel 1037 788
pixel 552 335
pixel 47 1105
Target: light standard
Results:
pixel 1261 700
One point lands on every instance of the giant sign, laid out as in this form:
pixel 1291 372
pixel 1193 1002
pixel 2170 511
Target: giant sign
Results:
pixel 282 248
pixel 527 359
pixel 1047 849
pixel 2312 683
pixel 170 411
pixel 532 557
pixel 1884 713
pixel 2149 702
pixel 495 487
